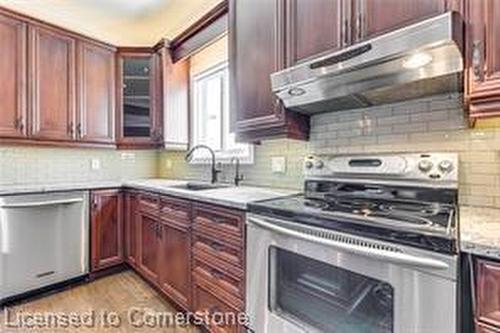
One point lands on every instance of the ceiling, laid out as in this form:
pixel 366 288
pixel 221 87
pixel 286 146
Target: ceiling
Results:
pixel 119 22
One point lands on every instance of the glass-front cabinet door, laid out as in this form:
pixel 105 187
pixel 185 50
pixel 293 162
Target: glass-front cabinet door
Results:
pixel 326 298
pixel 139 120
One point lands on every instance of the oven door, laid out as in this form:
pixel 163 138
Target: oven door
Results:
pixel 305 279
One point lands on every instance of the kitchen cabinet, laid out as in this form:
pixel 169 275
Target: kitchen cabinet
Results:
pixel 131 228
pixel 106 229
pixel 13 71
pixel 149 244
pixel 377 17
pixel 482 61
pixel 139 98
pixel 486 329
pixel 96 93
pixel 52 76
pixel 488 294
pixel 257 49
pixel 316 26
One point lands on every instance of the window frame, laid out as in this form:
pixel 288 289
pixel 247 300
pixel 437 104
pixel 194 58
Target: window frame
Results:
pixel 223 156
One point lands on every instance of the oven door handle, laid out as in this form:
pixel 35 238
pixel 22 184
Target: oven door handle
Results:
pixel 385 255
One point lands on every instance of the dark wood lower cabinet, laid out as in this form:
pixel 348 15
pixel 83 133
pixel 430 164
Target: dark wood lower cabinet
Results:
pixel 193 252
pixel 149 245
pixel 175 267
pixel 106 229
pixel 487 310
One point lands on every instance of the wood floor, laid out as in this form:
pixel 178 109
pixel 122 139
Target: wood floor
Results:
pixel 124 294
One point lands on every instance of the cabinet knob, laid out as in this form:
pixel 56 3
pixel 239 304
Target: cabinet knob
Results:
pixel 345 32
pixel 359 26
pixel 19 124
pixel 71 128
pixel 477 60
pixel 79 131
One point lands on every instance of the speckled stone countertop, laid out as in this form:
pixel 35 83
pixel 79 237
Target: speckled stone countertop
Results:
pixel 480 231
pixel 233 197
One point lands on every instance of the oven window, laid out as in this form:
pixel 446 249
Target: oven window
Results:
pixel 328 298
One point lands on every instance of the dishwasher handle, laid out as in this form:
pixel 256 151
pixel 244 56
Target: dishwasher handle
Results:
pixel 42 203
pixel 380 254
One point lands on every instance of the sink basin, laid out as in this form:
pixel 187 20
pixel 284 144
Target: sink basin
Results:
pixel 199 186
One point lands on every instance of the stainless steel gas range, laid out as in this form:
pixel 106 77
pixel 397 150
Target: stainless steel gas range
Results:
pixel 370 247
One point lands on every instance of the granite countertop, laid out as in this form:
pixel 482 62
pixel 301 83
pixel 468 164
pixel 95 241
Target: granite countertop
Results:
pixel 233 197
pixel 480 231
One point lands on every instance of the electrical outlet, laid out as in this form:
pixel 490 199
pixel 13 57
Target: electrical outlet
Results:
pixel 278 164
pixel 127 156
pixel 95 164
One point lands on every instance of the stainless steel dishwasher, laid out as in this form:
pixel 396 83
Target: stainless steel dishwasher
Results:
pixel 44 240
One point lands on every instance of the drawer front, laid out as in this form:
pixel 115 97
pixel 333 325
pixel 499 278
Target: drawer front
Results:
pixel 175 210
pixel 485 329
pixel 149 203
pixel 206 302
pixel 488 292
pixel 211 275
pixel 220 253
pixel 219 222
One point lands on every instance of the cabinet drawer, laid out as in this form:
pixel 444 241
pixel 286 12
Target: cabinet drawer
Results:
pixel 220 253
pixel 207 302
pixel 175 210
pixel 149 203
pixel 486 329
pixel 488 292
pixel 219 222
pixel 206 271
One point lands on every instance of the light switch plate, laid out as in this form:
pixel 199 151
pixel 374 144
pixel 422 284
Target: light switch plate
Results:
pixel 95 164
pixel 278 164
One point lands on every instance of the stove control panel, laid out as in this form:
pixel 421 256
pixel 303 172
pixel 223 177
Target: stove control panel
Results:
pixel 435 167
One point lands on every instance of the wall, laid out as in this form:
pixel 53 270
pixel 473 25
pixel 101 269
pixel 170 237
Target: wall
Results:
pixel 35 165
pixel 432 124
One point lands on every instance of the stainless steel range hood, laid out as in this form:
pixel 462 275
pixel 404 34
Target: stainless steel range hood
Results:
pixel 418 60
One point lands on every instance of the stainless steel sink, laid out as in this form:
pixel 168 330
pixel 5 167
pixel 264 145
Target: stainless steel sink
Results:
pixel 199 186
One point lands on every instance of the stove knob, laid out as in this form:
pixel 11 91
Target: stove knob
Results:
pixel 319 164
pixel 446 166
pixel 309 164
pixel 425 165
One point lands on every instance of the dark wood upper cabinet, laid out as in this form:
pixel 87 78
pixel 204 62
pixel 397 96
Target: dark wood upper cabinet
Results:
pixel 257 49
pixel 482 60
pixel 52 58
pixel 139 98
pixel 96 93
pixel 13 34
pixel 375 17
pixel 106 229
pixel 316 26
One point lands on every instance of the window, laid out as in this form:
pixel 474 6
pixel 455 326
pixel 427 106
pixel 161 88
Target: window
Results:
pixel 210 108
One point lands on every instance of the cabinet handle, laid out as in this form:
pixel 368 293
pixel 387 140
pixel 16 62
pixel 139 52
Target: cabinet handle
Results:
pixel 71 128
pixel 476 60
pixel 219 220
pixel 217 247
pixel 345 32
pixel 79 131
pixel 19 124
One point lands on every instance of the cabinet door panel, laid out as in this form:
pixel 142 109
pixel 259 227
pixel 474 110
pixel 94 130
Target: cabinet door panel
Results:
pixel 12 77
pixel 107 226
pixel 315 26
pixel 131 228
pixel 257 51
pixel 96 75
pixel 52 61
pixel 376 17
pixel 175 264
pixel 483 63
pixel 149 247
pixel 488 293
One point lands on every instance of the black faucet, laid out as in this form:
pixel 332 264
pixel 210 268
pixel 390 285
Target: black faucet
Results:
pixel 237 177
pixel 215 171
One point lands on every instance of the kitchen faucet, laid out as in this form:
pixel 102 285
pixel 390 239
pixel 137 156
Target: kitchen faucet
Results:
pixel 237 176
pixel 215 171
